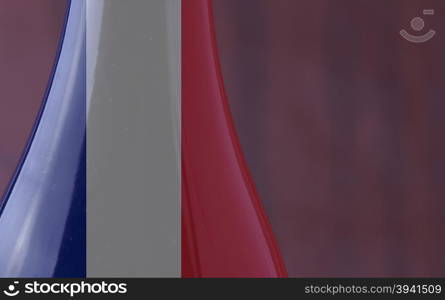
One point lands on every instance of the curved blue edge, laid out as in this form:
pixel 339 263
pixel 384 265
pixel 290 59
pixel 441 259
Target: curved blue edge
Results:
pixel 11 184
pixel 43 221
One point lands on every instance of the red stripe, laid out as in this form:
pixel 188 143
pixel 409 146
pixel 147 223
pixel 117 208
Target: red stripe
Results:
pixel 225 231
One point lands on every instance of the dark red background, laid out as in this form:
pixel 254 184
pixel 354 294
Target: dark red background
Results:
pixel 29 37
pixel 342 125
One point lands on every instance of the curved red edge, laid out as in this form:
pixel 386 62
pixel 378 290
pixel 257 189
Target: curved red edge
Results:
pixel 225 232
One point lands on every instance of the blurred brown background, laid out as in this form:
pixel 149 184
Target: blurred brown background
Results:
pixel 342 124
pixel 29 37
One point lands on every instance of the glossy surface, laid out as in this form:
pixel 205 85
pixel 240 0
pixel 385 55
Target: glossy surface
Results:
pixel 42 226
pixel 225 232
